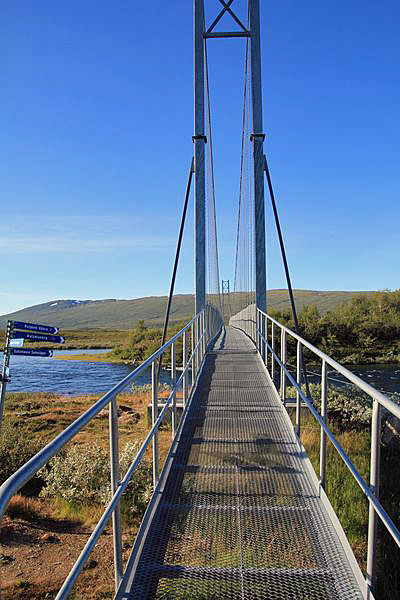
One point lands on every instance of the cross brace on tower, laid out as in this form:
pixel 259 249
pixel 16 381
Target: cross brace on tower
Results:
pixel 201 34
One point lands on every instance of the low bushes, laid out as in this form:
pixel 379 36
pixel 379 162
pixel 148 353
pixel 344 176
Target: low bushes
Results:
pixel 15 450
pixel 348 407
pixel 81 476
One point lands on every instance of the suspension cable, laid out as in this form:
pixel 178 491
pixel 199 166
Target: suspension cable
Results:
pixel 176 261
pixel 286 267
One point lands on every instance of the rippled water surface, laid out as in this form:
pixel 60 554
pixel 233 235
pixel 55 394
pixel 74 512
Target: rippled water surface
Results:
pixel 76 377
pixel 385 378
pixel 67 376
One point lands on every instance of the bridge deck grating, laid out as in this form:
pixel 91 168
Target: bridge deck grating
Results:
pixel 238 516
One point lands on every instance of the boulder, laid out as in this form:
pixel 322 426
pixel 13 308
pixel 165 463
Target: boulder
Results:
pixel 391 431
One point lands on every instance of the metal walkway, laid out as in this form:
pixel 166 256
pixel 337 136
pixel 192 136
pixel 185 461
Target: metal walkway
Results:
pixel 237 516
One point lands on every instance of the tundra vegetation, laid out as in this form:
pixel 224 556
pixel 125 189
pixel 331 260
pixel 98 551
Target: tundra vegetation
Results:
pixel 364 330
pixel 75 485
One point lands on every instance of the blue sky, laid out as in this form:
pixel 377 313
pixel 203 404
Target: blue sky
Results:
pixel 96 120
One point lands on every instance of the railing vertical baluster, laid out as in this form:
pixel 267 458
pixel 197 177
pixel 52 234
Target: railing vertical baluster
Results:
pixel 203 336
pixel 173 378
pixel 374 480
pixel 265 325
pixel 266 337
pixel 116 516
pixel 324 398
pixel 273 350
pixel 154 414
pixel 283 359
pixel 258 331
pixel 192 354
pixel 200 340
pixel 261 327
pixel 185 377
pixel 196 341
pixel 298 379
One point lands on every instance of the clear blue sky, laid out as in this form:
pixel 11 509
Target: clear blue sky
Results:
pixel 95 143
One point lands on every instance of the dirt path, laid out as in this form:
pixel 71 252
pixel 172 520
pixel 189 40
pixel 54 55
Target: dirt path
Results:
pixel 36 557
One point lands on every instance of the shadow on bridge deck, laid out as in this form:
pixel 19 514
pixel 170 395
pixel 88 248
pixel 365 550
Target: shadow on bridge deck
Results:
pixel 237 516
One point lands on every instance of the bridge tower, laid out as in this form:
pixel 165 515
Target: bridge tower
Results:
pixel 201 34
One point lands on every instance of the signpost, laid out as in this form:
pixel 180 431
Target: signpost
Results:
pixel 31 352
pixel 37 337
pixel 35 327
pixel 16 333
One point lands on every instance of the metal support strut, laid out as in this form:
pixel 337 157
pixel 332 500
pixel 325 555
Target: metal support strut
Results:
pixel 257 138
pixel 199 160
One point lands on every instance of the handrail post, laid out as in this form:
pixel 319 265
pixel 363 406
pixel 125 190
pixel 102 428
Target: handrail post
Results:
pixel 273 350
pixel 154 414
pixel 114 468
pixel 266 338
pixel 324 398
pixel 173 378
pixel 184 364
pixel 298 379
pixel 203 336
pixel 192 352
pixel 196 351
pixel 374 485
pixel 264 332
pixel 283 359
pixel 258 331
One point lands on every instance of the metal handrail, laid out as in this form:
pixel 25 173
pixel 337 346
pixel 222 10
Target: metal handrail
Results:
pixel 366 387
pixel 352 468
pixel 204 326
pixel 254 322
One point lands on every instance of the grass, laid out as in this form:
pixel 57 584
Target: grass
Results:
pixel 350 503
pixel 124 314
pixel 85 339
pixel 345 495
pixel 41 416
pixel 21 507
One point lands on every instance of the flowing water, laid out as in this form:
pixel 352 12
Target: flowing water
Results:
pixel 77 377
pixel 33 374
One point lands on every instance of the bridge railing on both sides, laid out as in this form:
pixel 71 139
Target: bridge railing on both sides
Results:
pixel 264 330
pixel 202 329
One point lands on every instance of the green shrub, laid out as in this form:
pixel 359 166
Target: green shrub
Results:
pixel 348 407
pixel 16 448
pixel 81 476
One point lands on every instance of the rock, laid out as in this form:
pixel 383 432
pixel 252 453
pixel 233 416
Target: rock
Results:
pixel 5 559
pixel 49 538
pixel 126 546
pixel 391 431
pixel 129 418
pixel 121 410
pixel 91 564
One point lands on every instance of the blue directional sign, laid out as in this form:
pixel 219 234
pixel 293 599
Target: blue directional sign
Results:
pixel 38 337
pixel 35 327
pixel 30 352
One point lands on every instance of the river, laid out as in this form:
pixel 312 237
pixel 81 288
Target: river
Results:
pixel 32 374
pixel 70 377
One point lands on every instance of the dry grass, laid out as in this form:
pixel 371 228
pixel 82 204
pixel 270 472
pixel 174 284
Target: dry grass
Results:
pixel 21 507
pixel 344 494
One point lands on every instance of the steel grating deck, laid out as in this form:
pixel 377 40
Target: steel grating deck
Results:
pixel 238 516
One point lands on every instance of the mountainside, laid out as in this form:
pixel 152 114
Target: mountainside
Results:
pixel 123 314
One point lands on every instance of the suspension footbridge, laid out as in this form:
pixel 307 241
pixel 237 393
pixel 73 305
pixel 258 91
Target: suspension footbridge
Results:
pixel 237 510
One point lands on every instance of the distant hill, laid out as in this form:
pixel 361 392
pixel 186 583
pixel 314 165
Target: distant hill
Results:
pixel 123 314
